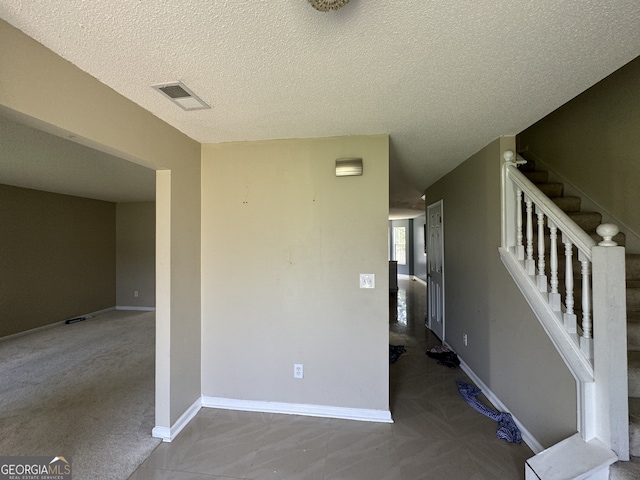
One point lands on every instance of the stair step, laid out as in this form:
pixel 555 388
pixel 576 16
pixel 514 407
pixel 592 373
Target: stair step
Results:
pixel 633 295
pixel 633 265
pixel 625 470
pixel 537 176
pixel 568 204
pixel 572 458
pixel 588 221
pixel 634 373
pixel 551 190
pixel 634 427
pixel 633 332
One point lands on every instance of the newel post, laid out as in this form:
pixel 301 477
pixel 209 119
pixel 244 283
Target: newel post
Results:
pixel 510 203
pixel 610 342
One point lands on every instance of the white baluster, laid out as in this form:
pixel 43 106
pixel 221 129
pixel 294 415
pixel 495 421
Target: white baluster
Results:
pixel 519 244
pixel 542 277
pixel 586 340
pixel 554 295
pixel 530 264
pixel 570 321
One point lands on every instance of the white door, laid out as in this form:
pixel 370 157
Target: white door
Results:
pixel 435 268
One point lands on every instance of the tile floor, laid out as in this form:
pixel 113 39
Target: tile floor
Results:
pixel 435 434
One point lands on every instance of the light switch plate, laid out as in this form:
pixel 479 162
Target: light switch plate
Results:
pixel 367 280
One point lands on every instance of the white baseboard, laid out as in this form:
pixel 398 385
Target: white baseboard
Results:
pixel 419 280
pixel 140 309
pixel 55 324
pixel 404 276
pixel 527 437
pixel 167 434
pixel 364 415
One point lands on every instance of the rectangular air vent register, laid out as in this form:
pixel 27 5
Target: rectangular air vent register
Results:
pixel 179 94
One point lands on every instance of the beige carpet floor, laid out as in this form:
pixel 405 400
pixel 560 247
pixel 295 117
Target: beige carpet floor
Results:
pixel 84 391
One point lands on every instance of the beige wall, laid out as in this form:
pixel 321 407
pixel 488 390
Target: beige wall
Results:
pixel 507 347
pixel 135 254
pixel 53 94
pixel 58 258
pixel 593 142
pixel 283 243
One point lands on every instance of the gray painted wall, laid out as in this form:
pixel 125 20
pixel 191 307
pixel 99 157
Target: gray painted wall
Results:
pixel 507 347
pixel 57 257
pixel 419 258
pixel 593 142
pixel 277 292
pixel 114 124
pixel 136 254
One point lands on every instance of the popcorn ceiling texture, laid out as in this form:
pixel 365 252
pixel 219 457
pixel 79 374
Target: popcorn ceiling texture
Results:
pixel 443 78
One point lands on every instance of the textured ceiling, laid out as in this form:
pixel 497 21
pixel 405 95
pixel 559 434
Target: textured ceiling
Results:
pixel 31 158
pixel 443 78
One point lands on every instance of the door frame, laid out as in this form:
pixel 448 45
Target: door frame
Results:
pixel 439 206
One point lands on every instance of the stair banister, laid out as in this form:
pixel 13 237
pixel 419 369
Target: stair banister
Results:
pixel 610 342
pixel 595 348
pixel 566 225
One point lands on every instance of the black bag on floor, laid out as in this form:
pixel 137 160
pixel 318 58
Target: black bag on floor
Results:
pixel 448 359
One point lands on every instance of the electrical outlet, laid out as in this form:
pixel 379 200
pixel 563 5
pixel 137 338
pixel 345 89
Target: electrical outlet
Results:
pixel 135 293
pixel 298 370
pixel 465 339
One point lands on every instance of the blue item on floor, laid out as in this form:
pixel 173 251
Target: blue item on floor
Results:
pixel 394 352
pixel 507 430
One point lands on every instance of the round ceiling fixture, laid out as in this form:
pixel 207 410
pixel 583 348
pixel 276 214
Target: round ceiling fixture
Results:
pixel 326 5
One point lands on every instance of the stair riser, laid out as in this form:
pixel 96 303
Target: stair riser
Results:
pixel 568 204
pixel 634 440
pixel 633 299
pixel 634 382
pixel 587 221
pixel 552 190
pixel 633 266
pixel 633 336
pixel 537 176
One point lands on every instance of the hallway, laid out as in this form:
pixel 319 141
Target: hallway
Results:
pixel 435 434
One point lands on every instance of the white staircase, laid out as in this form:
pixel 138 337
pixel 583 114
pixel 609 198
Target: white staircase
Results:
pixel 576 286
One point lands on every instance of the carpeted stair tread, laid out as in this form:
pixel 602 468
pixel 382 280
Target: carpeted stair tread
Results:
pixel 634 426
pixel 551 190
pixel 588 221
pixel 568 204
pixel 625 470
pixel 633 331
pixel 537 176
pixel 634 373
pixel 633 295
pixel 632 264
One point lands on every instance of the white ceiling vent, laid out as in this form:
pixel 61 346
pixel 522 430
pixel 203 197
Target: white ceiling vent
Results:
pixel 181 95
